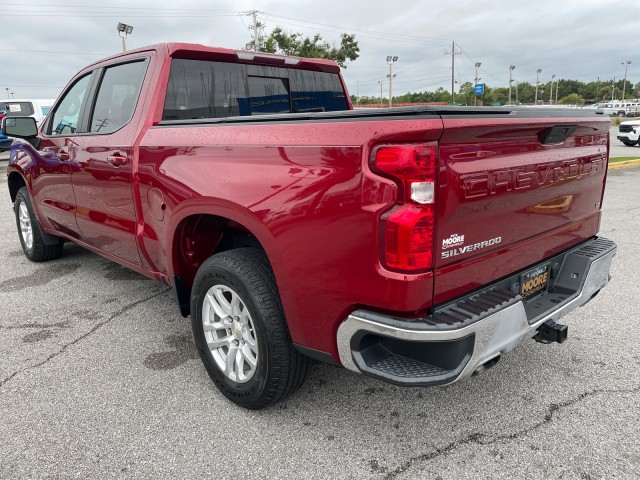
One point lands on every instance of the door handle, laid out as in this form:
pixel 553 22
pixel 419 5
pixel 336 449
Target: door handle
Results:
pixel 63 155
pixel 117 160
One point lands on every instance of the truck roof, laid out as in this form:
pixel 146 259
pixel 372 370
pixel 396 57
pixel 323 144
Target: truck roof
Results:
pixel 198 51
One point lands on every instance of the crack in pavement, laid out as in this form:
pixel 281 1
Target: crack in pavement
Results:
pixel 124 309
pixel 486 439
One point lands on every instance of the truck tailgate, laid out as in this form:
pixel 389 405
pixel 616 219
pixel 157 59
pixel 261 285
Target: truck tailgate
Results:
pixel 513 191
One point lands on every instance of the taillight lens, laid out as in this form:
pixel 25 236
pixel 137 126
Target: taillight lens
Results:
pixel 407 230
pixel 414 166
pixel 408 238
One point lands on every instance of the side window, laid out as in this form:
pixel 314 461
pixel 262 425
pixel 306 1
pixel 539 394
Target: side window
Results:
pixel 65 118
pixel 117 96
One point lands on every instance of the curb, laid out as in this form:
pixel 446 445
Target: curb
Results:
pixel 627 163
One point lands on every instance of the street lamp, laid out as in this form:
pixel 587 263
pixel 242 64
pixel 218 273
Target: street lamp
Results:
pixel 626 64
pixel 511 69
pixel 380 82
pixel 538 72
pixel 391 60
pixel 7 89
pixel 475 97
pixel 123 31
pixel 551 90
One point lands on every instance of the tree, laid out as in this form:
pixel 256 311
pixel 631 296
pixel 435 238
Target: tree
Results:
pixel 572 99
pixel 287 43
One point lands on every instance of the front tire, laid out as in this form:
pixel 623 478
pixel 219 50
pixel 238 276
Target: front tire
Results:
pixel 32 238
pixel 630 144
pixel 240 330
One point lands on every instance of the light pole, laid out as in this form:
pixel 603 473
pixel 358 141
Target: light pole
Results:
pixel 475 97
pixel 123 31
pixel 613 87
pixel 551 90
pixel 557 88
pixel 7 89
pixel 538 72
pixel 624 85
pixel 391 60
pixel 380 82
pixel 511 68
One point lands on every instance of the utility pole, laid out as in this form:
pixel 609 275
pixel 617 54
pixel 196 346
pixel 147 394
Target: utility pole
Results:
pixel 538 72
pixel 380 82
pixel 453 68
pixel 624 85
pixel 254 28
pixel 254 14
pixel 475 97
pixel 557 88
pixel 511 69
pixel 551 92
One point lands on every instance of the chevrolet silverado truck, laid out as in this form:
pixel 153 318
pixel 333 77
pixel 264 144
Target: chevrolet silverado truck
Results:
pixel 413 245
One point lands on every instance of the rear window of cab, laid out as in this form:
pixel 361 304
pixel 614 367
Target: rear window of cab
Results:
pixel 206 89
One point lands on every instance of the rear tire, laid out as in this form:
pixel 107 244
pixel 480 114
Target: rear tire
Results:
pixel 631 144
pixel 32 238
pixel 240 330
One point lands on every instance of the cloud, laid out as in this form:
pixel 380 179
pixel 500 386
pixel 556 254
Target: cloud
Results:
pixel 580 40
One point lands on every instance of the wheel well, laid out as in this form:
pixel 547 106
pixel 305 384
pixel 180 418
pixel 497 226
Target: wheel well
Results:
pixel 199 237
pixel 16 182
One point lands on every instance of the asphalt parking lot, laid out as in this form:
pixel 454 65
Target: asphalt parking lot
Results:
pixel 99 378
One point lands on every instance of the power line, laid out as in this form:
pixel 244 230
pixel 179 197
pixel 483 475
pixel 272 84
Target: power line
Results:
pixel 61 53
pixel 361 32
pixel 58 13
pixel 29 86
pixel 118 8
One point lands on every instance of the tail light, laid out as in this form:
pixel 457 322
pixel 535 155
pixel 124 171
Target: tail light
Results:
pixel 407 230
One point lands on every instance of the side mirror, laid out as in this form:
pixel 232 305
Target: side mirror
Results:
pixel 20 127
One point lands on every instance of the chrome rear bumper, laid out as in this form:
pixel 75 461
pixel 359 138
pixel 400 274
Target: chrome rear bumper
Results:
pixel 429 352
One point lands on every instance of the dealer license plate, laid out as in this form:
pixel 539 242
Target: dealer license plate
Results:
pixel 534 282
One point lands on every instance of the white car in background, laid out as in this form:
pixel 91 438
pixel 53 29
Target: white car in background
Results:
pixel 621 109
pixel 36 108
pixel 629 132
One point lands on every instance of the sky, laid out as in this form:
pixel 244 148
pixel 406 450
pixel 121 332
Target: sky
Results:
pixel 43 43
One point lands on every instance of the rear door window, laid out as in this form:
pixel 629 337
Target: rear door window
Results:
pixel 117 96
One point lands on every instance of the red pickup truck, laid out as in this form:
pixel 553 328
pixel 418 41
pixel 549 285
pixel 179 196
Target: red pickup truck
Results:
pixel 414 245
